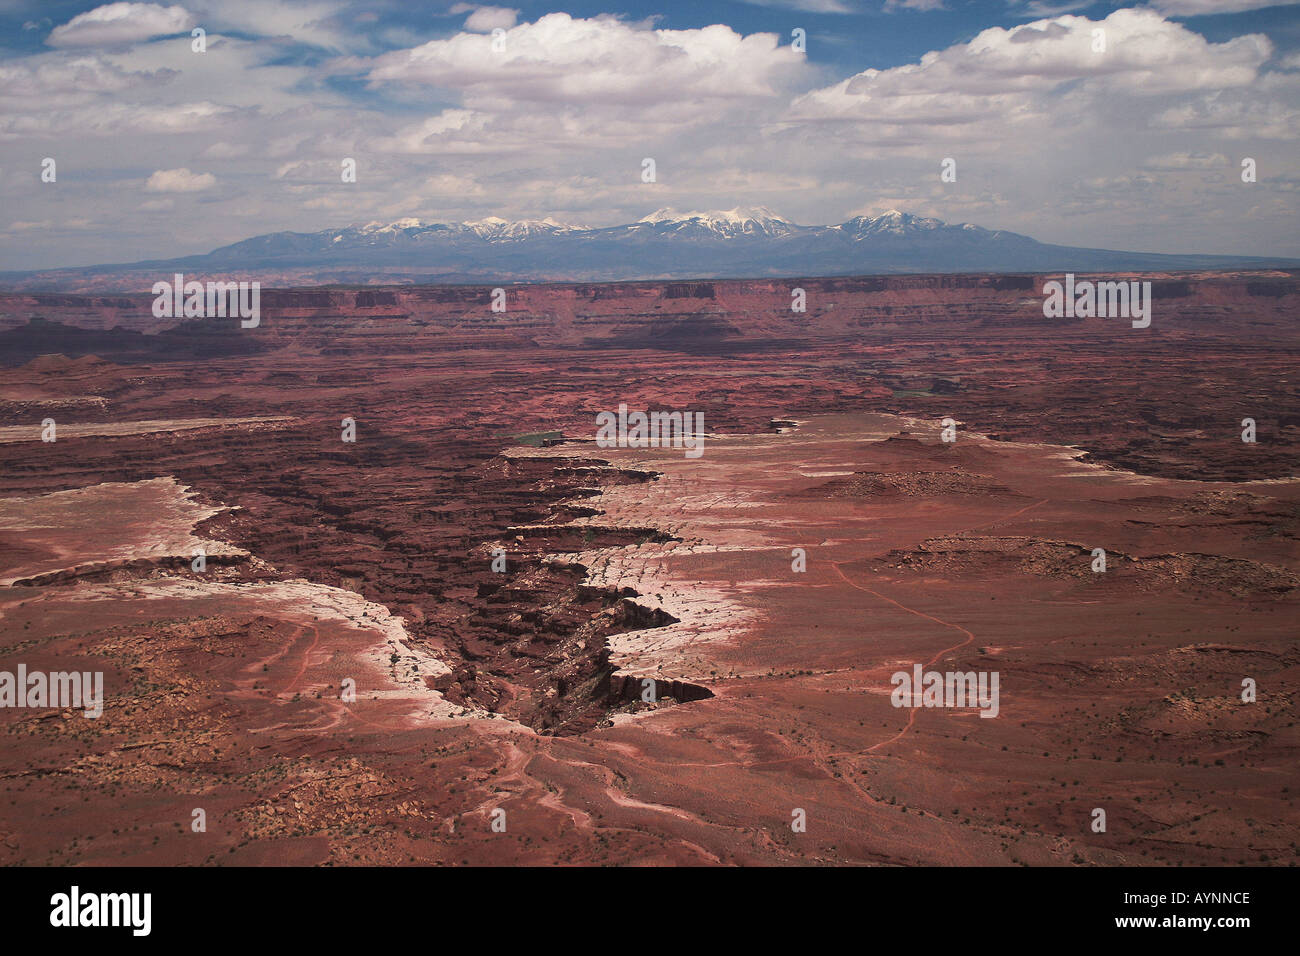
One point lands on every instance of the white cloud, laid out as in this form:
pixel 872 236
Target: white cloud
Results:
pixel 1017 75
pixel 563 84
pixel 179 181
pixel 322 23
pixel 569 60
pixel 1032 115
pixel 121 23
pixel 486 19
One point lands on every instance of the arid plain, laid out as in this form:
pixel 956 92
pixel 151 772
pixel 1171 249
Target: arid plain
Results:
pixel 371 562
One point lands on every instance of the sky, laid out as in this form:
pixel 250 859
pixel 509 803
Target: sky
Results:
pixel 1086 124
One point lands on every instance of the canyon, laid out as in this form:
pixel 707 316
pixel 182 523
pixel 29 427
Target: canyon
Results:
pixel 331 564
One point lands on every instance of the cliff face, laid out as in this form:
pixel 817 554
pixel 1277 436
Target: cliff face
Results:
pixel 975 347
pixel 693 315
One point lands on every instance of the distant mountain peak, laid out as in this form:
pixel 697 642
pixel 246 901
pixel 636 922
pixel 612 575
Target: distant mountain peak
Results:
pixel 494 227
pixel 892 222
pixel 397 225
pixel 744 241
pixel 489 227
pixel 727 223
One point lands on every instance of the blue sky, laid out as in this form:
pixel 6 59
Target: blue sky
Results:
pixel 161 150
pixel 870 34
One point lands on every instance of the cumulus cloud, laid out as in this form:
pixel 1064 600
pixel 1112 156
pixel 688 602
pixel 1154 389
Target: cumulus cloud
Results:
pixel 486 19
pixel 563 59
pixel 121 23
pixel 1033 115
pixel 179 181
pixel 564 84
pixel 1013 74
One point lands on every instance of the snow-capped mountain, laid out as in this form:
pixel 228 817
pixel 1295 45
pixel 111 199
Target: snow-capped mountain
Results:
pixel 382 228
pixel 666 244
pixel 729 223
pixel 493 227
pixel 891 223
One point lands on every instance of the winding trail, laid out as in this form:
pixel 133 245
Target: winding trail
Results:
pixel 911 716
pixel 911 610
pixel 969 637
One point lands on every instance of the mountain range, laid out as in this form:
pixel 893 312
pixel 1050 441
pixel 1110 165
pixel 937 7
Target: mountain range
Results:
pixel 740 243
